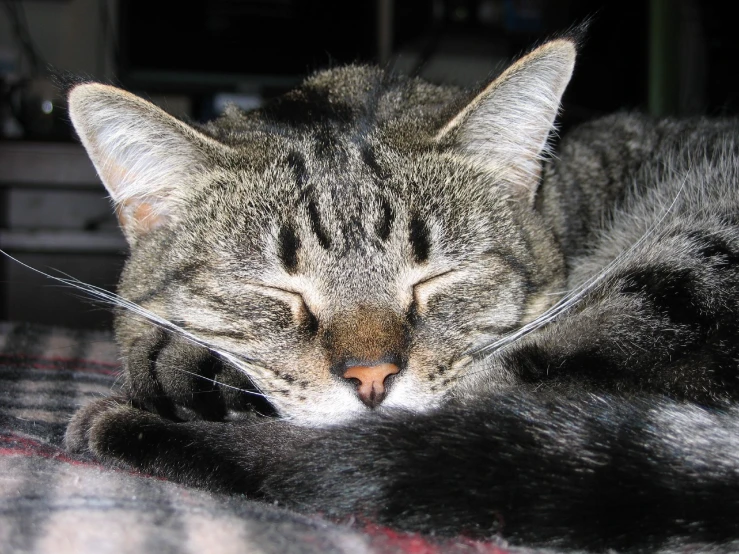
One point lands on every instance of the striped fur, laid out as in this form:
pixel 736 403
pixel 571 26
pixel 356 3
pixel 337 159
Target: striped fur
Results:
pixel 567 355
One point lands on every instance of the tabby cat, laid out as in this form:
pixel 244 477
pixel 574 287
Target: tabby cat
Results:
pixel 382 298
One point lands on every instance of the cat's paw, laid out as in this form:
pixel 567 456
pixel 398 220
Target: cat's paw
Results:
pixel 112 431
pixel 129 437
pixel 117 434
pixel 77 436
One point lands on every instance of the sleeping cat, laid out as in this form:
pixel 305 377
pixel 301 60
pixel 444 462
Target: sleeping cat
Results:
pixel 382 298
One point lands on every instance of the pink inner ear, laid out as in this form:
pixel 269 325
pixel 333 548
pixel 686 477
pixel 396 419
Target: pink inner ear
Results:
pixel 138 217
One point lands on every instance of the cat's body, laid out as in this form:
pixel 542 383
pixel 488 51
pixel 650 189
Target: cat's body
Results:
pixel 376 256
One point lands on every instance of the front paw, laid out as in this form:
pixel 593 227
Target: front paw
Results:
pixel 77 437
pixel 112 431
pixel 202 454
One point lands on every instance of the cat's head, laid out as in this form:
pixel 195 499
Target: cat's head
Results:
pixel 351 241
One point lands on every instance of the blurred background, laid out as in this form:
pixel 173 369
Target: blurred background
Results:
pixel 666 57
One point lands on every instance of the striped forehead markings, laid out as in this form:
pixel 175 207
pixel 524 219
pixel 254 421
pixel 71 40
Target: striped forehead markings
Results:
pixel 289 242
pixel 370 160
pixel 316 225
pixel 419 238
pixel 296 161
pixel 385 222
pixel 287 248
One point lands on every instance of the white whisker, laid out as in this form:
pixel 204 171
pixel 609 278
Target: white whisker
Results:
pixel 111 298
pixel 577 294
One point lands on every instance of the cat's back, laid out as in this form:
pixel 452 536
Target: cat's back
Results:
pixel 633 164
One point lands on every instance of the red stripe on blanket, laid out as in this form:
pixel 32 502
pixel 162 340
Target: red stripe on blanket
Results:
pixel 67 364
pixel 17 445
pixel 411 543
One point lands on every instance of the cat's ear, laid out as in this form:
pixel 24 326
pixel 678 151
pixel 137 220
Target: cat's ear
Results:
pixel 507 125
pixel 146 158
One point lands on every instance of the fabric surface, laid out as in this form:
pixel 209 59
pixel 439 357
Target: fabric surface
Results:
pixel 51 501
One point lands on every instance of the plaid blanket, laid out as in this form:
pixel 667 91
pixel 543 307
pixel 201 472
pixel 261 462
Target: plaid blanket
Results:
pixel 51 501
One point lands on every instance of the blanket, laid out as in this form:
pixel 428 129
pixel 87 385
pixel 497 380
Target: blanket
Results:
pixel 54 502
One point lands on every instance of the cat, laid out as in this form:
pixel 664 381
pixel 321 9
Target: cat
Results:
pixel 383 298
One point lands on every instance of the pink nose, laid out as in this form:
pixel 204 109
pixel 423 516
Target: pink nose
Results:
pixel 371 387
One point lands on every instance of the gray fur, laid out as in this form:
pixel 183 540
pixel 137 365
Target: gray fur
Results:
pixel 377 150
pixel 348 167
pixel 565 325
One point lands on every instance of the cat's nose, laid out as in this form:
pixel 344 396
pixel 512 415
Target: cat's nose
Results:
pixel 371 386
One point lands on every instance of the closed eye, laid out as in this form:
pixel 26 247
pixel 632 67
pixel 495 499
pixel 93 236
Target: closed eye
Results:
pixel 433 277
pixel 269 289
pixel 423 290
pixel 299 307
pixel 286 295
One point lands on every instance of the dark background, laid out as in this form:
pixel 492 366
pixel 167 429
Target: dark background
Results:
pixel 664 57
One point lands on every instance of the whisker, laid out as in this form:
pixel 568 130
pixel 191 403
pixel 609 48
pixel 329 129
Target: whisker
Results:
pixel 577 294
pixel 241 362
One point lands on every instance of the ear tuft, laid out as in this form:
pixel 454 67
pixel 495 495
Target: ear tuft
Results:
pixel 145 157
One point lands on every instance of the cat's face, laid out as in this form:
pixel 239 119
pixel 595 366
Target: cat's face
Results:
pixel 349 244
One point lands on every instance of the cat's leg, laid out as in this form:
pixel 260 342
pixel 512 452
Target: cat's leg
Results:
pixel 217 456
pixel 580 471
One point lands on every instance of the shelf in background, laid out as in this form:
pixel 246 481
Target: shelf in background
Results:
pixel 47 164
pixel 87 242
